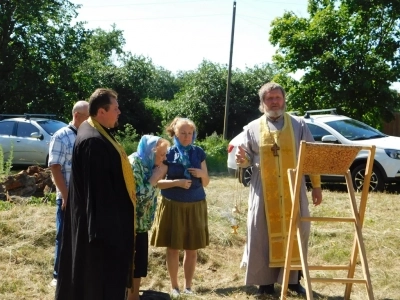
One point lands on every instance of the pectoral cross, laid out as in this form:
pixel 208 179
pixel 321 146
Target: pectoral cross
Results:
pixel 275 149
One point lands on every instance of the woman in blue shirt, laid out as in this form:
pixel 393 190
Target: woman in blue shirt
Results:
pixel 181 220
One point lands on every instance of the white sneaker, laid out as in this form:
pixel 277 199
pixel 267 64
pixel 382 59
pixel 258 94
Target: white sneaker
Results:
pixel 188 291
pixel 175 293
pixel 53 282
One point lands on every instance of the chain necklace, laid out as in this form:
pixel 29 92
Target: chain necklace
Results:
pixel 274 138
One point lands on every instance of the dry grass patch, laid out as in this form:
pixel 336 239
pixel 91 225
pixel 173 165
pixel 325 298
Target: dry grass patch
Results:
pixel 26 254
pixel 27 244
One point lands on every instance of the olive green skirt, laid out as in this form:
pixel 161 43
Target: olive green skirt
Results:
pixel 180 225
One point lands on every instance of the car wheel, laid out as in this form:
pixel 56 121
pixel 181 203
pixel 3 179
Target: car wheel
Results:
pixel 376 184
pixel 245 176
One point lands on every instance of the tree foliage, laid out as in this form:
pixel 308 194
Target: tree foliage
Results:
pixel 102 50
pixel 48 62
pixel 132 82
pixel 244 100
pixel 349 51
pixel 39 51
pixel 202 97
pixel 163 84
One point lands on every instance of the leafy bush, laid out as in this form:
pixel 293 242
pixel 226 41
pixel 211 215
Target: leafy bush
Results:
pixel 6 205
pixel 128 138
pixel 50 198
pixel 5 166
pixel 36 201
pixel 215 147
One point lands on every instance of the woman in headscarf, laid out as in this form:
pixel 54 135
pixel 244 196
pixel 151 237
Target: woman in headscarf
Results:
pixel 181 219
pixel 148 168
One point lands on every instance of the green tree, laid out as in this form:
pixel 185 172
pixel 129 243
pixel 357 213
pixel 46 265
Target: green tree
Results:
pixel 349 51
pixel 104 51
pixel 163 84
pixel 202 97
pixel 132 80
pixel 244 100
pixel 39 51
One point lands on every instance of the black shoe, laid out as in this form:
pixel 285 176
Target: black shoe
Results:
pixel 297 288
pixel 266 289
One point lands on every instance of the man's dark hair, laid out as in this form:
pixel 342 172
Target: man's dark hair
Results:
pixel 101 98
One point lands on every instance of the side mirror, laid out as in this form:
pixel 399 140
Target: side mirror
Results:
pixel 37 135
pixel 329 139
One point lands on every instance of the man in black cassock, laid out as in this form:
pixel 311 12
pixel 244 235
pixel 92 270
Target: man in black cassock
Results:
pixel 98 233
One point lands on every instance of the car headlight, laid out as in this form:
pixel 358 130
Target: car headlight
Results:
pixel 393 153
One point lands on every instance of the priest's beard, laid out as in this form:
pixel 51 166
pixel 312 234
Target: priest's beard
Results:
pixel 274 114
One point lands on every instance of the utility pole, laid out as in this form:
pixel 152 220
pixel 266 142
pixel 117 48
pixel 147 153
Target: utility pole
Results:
pixel 228 82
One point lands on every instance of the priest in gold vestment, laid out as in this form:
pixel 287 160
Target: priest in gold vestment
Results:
pixel 271 146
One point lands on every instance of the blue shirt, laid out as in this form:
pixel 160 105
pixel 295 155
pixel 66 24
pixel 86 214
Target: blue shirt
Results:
pixel 176 171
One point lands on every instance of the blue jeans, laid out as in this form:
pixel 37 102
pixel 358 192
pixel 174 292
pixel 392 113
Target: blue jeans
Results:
pixel 59 226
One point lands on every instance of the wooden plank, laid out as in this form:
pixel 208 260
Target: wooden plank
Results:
pixel 327 219
pixel 322 267
pixel 338 280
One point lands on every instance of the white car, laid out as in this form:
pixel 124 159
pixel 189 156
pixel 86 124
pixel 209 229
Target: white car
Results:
pixel 333 128
pixel 27 138
pixel 243 175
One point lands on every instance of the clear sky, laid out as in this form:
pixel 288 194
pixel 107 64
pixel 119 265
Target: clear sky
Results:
pixel 179 34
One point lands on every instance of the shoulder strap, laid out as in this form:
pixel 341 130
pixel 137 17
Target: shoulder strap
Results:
pixel 73 129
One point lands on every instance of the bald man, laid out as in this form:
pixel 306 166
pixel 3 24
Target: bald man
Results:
pixel 60 162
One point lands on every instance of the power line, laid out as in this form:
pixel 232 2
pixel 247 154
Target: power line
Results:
pixel 154 18
pixel 279 2
pixel 250 20
pixel 244 17
pixel 181 2
pixel 147 3
pixel 259 17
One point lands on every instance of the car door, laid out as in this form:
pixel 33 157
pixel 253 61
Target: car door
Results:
pixel 29 150
pixel 7 137
pixel 318 133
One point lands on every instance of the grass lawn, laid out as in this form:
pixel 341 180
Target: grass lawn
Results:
pixel 27 235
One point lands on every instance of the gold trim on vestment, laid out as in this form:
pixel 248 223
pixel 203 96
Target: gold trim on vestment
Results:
pixel 276 189
pixel 129 178
pixel 126 166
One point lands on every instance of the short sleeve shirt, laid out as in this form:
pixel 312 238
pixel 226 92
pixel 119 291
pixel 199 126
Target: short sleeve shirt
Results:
pixel 60 153
pixel 176 171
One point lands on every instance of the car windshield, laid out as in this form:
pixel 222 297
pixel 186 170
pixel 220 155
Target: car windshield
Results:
pixel 51 126
pixel 354 130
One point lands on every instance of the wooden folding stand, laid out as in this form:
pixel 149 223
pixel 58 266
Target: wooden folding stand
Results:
pixel 318 158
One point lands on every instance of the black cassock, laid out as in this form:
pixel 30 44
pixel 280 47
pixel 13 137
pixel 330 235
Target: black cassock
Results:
pixel 97 242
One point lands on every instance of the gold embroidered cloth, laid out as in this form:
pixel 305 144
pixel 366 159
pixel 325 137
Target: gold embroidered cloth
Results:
pixel 276 190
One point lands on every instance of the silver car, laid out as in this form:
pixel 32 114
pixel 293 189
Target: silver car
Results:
pixel 28 137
